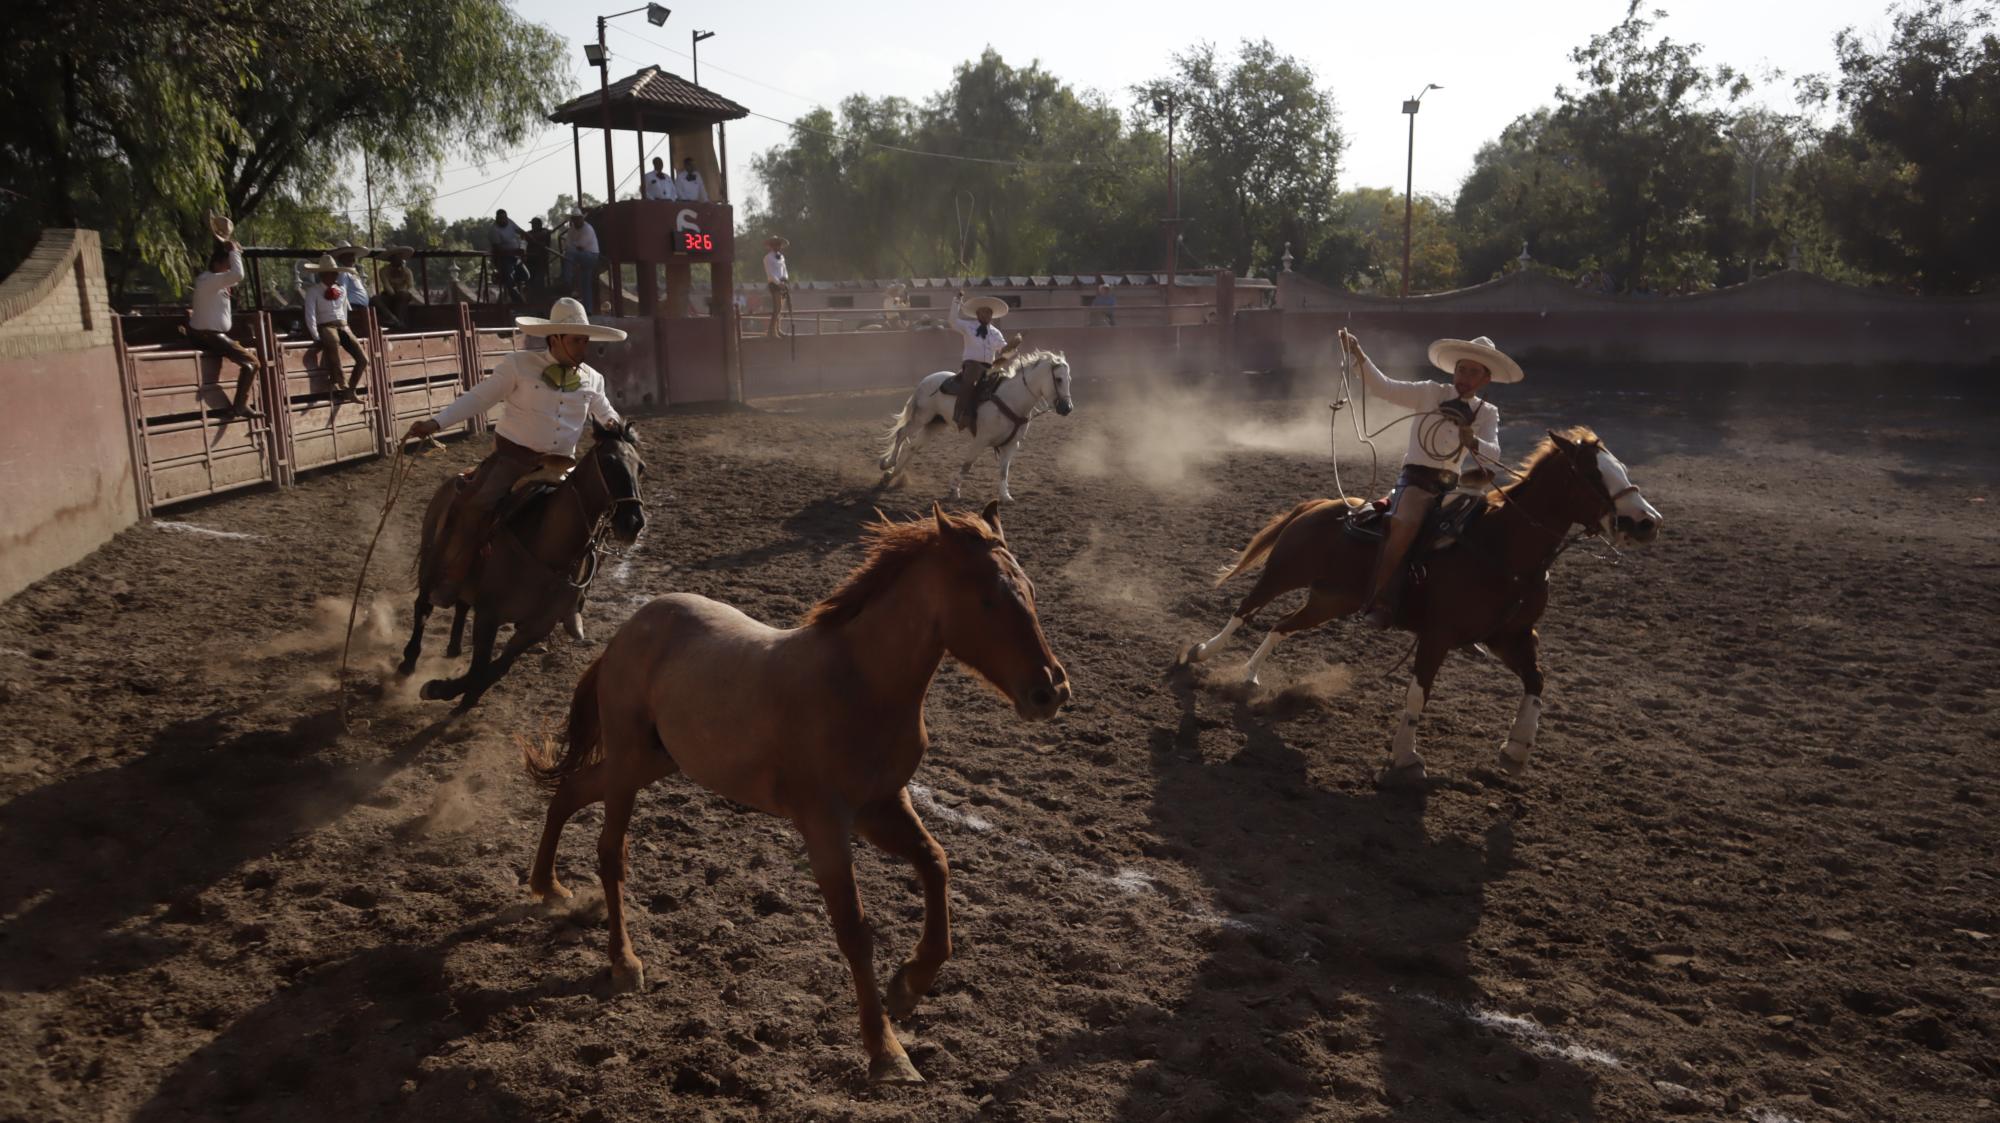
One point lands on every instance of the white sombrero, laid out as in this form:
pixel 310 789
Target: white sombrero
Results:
pixel 219 226
pixel 1446 353
pixel 568 318
pixel 325 264
pixel 972 305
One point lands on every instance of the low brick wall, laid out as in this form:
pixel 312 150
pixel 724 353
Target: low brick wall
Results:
pixel 66 443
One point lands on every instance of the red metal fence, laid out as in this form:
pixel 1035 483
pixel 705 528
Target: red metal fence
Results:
pixel 186 447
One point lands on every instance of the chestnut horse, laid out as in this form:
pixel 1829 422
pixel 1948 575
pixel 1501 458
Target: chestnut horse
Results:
pixel 528 576
pixel 822 724
pixel 1489 589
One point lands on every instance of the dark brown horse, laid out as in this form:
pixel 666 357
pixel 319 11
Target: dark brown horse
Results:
pixel 1489 589
pixel 534 573
pixel 822 724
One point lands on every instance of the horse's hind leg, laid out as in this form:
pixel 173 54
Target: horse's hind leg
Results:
pixel 420 614
pixel 455 647
pixel 577 791
pixel 893 826
pixel 832 855
pixel 627 973
pixel 1267 589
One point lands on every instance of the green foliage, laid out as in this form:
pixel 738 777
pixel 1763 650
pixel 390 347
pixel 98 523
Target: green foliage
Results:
pixel 140 117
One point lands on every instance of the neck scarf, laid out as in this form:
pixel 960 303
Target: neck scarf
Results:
pixel 560 377
pixel 981 333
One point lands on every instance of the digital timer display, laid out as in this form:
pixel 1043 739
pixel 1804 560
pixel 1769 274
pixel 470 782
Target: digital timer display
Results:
pixel 693 242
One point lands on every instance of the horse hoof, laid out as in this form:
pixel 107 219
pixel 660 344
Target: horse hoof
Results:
pixel 893 1068
pixel 436 690
pixel 1511 767
pixel 1192 653
pixel 405 668
pixel 628 977
pixel 551 893
pixel 1403 776
pixel 452 652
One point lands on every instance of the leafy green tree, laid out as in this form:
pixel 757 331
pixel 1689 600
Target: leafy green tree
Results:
pixel 1911 173
pixel 1263 151
pixel 1530 185
pixel 1363 249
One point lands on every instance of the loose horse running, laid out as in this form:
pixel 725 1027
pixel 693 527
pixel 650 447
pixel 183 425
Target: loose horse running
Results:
pixel 1489 589
pixel 822 724
pixel 1039 380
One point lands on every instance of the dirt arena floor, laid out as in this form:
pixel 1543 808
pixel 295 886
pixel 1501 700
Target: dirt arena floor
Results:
pixel 1751 873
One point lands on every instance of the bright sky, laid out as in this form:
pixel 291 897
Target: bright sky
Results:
pixel 1495 62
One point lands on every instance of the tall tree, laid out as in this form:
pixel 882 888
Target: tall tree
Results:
pixel 1264 145
pixel 1530 186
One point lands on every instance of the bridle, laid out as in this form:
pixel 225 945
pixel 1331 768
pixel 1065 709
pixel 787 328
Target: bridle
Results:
pixel 1591 482
pixel 600 528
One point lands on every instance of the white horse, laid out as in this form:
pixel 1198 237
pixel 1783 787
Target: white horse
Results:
pixel 1033 382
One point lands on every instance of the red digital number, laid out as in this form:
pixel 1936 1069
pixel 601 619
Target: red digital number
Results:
pixel 692 242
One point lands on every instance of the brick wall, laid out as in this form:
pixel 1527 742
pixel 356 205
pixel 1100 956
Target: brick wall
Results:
pixel 70 483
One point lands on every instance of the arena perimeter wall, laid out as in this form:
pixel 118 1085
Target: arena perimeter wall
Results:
pixel 65 441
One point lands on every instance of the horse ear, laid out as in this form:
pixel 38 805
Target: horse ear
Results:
pixel 629 432
pixel 1559 440
pixel 937 512
pixel 992 516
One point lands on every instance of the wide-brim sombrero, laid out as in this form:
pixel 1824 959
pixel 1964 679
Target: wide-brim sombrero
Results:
pixel 1446 353
pixel 972 305
pixel 568 318
pixel 325 264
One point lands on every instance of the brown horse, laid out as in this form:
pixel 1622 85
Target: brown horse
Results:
pixel 1489 589
pixel 528 576
pixel 822 724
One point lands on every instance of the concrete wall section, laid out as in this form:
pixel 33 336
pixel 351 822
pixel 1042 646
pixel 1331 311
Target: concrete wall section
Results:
pixel 68 459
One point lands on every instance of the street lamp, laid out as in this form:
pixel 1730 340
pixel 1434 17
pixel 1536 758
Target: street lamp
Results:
pixel 695 52
pixel 600 58
pixel 1163 104
pixel 1409 177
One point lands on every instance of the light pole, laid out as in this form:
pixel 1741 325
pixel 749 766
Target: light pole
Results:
pixel 1165 105
pixel 1409 177
pixel 695 51
pixel 601 59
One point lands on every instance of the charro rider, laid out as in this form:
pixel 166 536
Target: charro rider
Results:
pixel 551 396
pixel 985 345
pixel 1452 424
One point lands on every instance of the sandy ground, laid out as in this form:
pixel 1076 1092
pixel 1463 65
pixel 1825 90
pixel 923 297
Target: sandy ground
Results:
pixel 1750 875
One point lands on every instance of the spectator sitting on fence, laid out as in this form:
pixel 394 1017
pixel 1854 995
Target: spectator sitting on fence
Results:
pixel 326 312
pixel 504 241
pixel 348 255
pixel 688 185
pixel 658 183
pixel 210 317
pixel 398 283
pixel 1104 307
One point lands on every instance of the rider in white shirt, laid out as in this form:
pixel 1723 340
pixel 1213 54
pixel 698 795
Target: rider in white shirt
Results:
pixel 985 345
pixel 1452 426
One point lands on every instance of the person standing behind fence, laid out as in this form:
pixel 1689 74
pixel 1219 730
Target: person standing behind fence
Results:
pixel 658 183
pixel 580 260
pixel 777 278
pixel 326 313
pixel 210 318
pixel 537 241
pixel 1104 308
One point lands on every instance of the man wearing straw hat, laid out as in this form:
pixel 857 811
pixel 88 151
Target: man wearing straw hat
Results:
pixel 551 397
pixel 1450 427
pixel 210 317
pixel 985 345
pixel 777 278
pixel 348 255
pixel 326 312
pixel 399 285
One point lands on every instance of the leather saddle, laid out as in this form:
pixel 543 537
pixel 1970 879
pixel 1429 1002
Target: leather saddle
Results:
pixel 1446 523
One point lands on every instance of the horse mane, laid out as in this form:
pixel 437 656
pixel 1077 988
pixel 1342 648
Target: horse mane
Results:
pixel 892 546
pixel 1575 434
pixel 1026 359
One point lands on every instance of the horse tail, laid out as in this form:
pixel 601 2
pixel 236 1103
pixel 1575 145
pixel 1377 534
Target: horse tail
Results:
pixel 1263 540
pixel 897 425
pixel 582 737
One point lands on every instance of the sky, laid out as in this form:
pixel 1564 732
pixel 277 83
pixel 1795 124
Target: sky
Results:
pixel 781 58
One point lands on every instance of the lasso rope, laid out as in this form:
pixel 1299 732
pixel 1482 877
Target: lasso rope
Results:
pixel 400 467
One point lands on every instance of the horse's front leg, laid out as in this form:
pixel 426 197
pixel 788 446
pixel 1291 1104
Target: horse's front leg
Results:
pixel 482 677
pixel 1405 765
pixel 1006 458
pixel 964 466
pixel 832 854
pixel 893 826
pixel 485 629
pixel 421 613
pixel 455 648
pixel 1521 655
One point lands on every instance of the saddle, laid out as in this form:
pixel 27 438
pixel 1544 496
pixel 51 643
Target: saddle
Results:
pixel 1446 523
